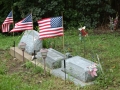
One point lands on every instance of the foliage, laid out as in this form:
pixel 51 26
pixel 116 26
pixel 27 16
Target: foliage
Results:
pixel 33 68
pixel 3 68
pixel 37 69
pixel 28 64
pixel 90 13
pixel 7 42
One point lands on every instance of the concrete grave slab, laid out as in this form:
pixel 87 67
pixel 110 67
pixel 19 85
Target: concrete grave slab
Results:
pixel 78 68
pixel 19 54
pixel 59 73
pixel 31 38
pixel 53 59
pixel 27 57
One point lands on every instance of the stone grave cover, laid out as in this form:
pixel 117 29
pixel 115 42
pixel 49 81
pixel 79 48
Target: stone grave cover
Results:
pixel 78 67
pixel 53 59
pixel 31 38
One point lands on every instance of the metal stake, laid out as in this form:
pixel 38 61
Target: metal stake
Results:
pixel 34 58
pixel 44 67
pixel 65 70
pixel 14 48
pixel 44 55
pixel 23 55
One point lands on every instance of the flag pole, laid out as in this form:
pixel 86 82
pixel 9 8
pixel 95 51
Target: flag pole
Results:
pixel 32 18
pixel 63 31
pixel 64 50
pixel 33 39
pixel 33 42
pixel 32 29
pixel 13 37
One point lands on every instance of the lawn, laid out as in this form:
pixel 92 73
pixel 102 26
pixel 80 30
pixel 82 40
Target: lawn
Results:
pixel 15 74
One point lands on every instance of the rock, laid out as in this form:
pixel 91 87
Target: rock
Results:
pixel 31 38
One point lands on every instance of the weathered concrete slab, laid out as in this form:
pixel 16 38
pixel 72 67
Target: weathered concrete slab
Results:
pixel 78 68
pixel 31 38
pixel 19 56
pixel 53 59
pixel 59 73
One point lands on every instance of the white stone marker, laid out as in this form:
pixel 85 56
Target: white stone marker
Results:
pixel 31 38
pixel 78 68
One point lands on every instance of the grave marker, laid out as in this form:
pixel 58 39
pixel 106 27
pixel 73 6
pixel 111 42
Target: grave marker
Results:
pixel 53 59
pixel 31 38
pixel 78 68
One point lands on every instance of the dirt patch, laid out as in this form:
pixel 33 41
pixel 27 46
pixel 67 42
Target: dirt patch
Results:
pixel 15 66
pixel 1 52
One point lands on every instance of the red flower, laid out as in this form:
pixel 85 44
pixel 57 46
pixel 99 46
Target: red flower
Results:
pixel 83 32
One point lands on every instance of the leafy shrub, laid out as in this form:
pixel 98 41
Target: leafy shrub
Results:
pixel 29 64
pixel 88 12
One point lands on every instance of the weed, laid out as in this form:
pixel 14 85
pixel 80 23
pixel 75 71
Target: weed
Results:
pixel 28 64
pixel 3 69
pixel 37 69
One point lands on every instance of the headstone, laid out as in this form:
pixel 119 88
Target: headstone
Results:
pixel 53 59
pixel 31 38
pixel 78 68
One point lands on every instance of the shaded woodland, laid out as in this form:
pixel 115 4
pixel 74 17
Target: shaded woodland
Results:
pixel 76 13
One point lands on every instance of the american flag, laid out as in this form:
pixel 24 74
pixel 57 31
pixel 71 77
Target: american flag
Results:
pixel 7 22
pixel 50 27
pixel 25 24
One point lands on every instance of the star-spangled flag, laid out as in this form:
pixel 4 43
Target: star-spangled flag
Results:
pixel 50 27
pixel 7 22
pixel 25 24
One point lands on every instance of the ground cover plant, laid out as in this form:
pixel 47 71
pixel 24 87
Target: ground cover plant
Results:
pixel 15 74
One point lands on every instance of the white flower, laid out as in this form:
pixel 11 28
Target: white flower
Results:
pixel 82 28
pixel 93 70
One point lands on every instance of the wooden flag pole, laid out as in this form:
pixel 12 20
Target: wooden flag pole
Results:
pixel 13 37
pixel 63 31
pixel 64 50
pixel 32 19
pixel 32 29
pixel 33 43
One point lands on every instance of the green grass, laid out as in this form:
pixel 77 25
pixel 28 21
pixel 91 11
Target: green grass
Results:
pixel 6 41
pixel 105 45
pixel 13 82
